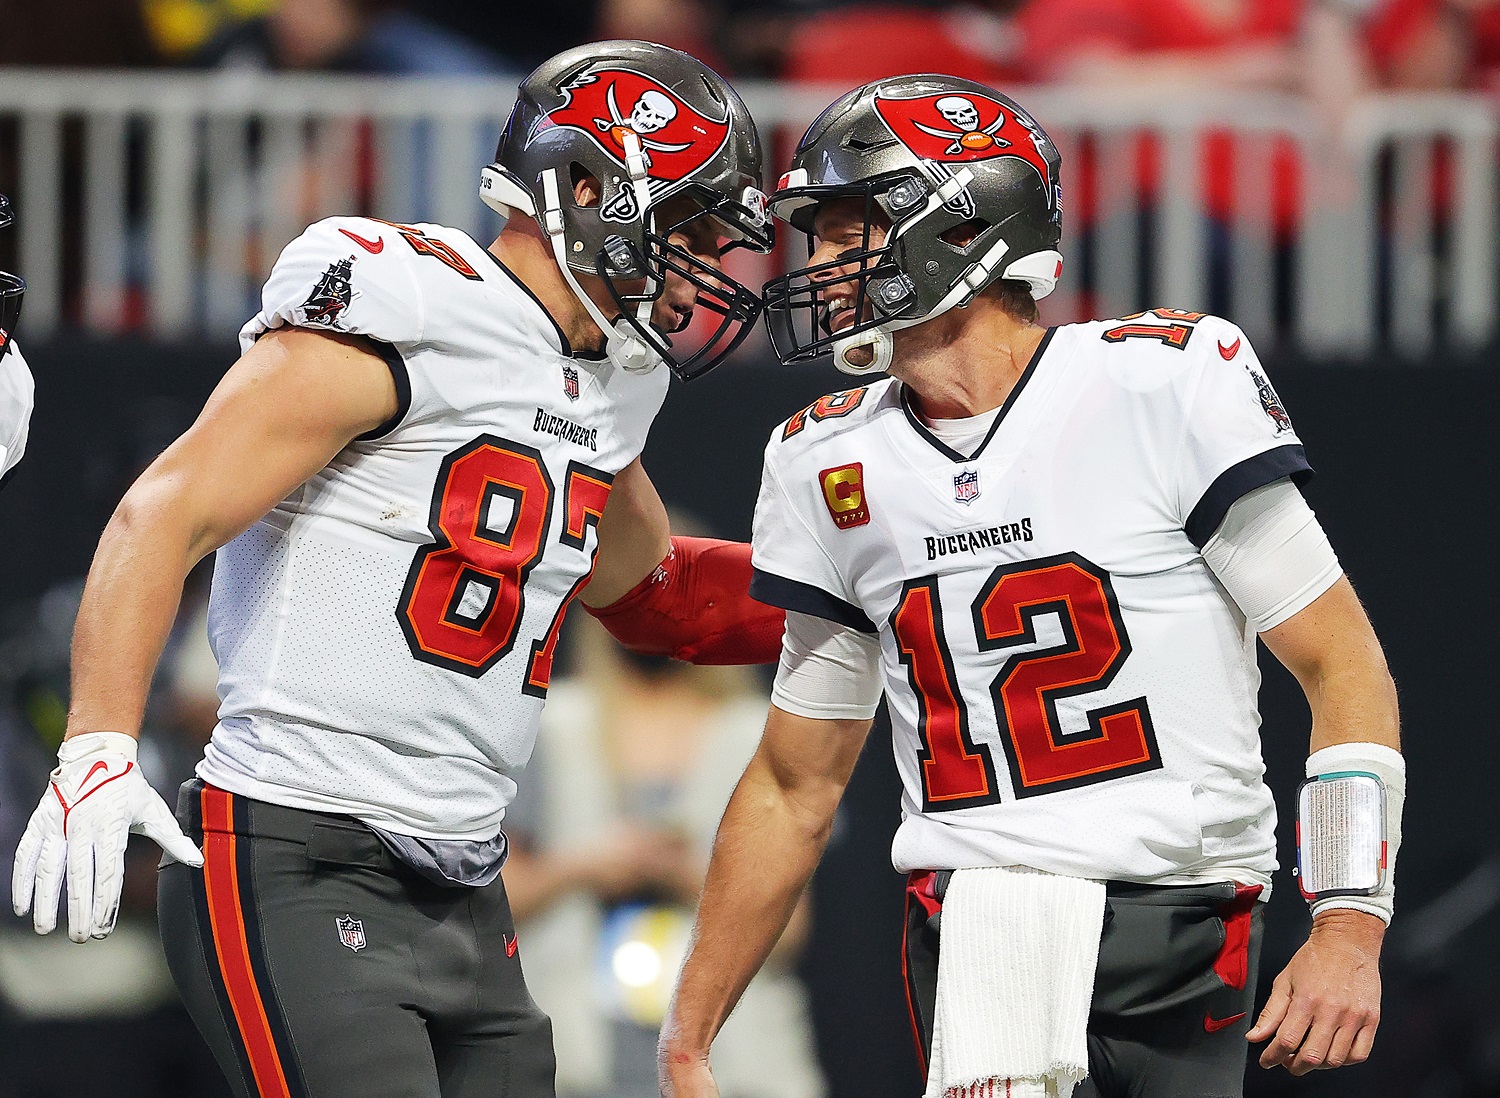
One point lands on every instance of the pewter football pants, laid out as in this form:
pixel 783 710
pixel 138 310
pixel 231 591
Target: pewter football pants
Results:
pixel 1174 989
pixel 317 966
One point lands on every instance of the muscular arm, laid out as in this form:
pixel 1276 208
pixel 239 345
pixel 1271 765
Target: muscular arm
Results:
pixel 634 536
pixel 1331 649
pixel 769 842
pixel 1325 1006
pixel 280 414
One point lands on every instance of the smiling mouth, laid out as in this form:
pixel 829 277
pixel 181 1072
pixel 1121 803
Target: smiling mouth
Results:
pixel 838 313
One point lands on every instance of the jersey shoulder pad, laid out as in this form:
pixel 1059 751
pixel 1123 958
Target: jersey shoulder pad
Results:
pixel 343 274
pixel 830 413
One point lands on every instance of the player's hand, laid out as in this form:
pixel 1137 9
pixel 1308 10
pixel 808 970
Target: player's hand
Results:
pixel 685 1076
pixel 1325 1006
pixel 97 797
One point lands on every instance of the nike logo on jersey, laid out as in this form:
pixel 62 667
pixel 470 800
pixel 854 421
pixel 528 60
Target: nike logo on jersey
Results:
pixel 511 945
pixel 1213 1025
pixel 1228 353
pixel 374 247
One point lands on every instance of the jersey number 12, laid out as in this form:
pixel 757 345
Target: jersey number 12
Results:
pixel 1043 758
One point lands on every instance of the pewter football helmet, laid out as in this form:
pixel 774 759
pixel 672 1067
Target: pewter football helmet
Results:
pixel 652 124
pixel 969 183
pixel 12 289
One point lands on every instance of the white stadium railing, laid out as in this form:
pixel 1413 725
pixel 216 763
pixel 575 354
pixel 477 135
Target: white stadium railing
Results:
pixel 178 190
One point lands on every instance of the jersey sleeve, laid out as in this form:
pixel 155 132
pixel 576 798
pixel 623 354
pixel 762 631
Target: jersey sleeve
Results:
pixel 343 275
pixel 1236 435
pixel 17 394
pixel 792 568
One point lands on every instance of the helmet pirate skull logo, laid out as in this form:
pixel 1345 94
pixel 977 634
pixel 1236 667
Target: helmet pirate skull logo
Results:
pixel 960 112
pixel 652 111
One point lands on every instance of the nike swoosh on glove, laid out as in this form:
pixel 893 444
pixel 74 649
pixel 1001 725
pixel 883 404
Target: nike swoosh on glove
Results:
pixel 97 798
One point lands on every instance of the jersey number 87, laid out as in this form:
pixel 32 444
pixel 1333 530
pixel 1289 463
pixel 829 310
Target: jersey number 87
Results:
pixel 1119 739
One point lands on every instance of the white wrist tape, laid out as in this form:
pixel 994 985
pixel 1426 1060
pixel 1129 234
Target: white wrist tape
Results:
pixel 1349 828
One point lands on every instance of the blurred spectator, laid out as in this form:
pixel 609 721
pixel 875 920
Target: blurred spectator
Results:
pixel 857 43
pixel 527 34
pixel 610 839
pixel 1433 44
pixel 362 36
pixel 682 24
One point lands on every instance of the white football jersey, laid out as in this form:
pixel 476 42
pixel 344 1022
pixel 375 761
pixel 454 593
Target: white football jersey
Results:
pixel 17 396
pixel 385 634
pixel 1069 686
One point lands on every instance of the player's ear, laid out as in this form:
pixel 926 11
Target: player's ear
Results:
pixel 587 190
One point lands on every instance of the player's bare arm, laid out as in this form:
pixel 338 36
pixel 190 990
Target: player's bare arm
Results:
pixel 1325 1007
pixel 769 843
pixel 280 414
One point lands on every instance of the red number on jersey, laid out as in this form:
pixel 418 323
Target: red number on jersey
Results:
pixel 1119 739
pixel 955 773
pixel 1173 335
pixel 831 406
pixel 464 594
pixel 423 244
pixel 584 498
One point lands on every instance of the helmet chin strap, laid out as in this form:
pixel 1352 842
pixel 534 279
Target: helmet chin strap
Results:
pixel 877 341
pixel 624 347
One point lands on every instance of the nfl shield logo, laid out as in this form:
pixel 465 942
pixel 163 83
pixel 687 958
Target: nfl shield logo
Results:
pixel 570 382
pixel 966 486
pixel 351 932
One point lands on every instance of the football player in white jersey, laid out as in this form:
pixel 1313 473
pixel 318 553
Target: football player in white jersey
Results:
pixel 1052 551
pixel 17 391
pixel 410 471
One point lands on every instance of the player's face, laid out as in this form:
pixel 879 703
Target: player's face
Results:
pixel 698 235
pixel 840 230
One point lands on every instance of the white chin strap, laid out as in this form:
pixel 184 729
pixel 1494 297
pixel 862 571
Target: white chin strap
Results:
pixel 624 346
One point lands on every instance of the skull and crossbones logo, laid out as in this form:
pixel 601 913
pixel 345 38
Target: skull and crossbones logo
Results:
pixel 652 112
pixel 967 135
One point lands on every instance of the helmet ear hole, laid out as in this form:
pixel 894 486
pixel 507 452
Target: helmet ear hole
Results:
pixel 963 235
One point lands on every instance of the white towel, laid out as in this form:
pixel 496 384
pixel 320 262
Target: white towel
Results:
pixel 1015 981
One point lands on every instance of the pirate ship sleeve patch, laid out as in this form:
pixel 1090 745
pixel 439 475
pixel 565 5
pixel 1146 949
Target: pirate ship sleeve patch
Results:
pixel 341 275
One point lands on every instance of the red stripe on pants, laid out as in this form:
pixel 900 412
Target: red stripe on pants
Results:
pixel 232 945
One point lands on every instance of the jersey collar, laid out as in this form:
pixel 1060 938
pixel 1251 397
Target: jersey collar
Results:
pixel 942 447
pixel 562 338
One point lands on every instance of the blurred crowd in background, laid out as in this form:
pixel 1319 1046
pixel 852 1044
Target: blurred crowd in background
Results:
pixel 1322 47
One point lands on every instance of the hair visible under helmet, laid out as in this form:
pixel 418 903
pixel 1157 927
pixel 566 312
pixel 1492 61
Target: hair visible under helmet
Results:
pixel 652 124
pixel 12 289
pixel 969 183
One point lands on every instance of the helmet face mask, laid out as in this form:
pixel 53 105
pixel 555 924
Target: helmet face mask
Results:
pixel 654 127
pixel 966 180
pixel 12 289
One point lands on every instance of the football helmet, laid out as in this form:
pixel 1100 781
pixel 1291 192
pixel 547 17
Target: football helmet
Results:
pixel 652 124
pixel 12 289
pixel 969 184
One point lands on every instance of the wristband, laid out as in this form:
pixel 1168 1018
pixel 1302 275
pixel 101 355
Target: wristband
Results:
pixel 1349 828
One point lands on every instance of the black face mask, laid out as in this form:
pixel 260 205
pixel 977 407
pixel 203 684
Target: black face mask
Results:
pixel 736 305
pixel 12 289
pixel 796 307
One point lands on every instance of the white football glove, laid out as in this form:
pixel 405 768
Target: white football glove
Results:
pixel 96 798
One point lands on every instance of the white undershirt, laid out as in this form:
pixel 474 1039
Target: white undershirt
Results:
pixel 1270 553
pixel 963 436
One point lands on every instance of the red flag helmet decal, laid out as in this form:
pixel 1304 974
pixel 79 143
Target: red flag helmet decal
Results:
pixel 676 138
pixel 955 127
